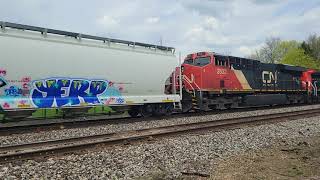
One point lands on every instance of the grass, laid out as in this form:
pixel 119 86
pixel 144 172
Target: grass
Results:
pixel 55 113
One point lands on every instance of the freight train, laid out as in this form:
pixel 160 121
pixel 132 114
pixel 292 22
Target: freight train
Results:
pixel 46 68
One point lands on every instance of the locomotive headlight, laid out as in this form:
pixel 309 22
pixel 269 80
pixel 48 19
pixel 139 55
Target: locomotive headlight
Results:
pixel 182 68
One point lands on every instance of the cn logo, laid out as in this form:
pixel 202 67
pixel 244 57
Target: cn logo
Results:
pixel 2 83
pixel 268 76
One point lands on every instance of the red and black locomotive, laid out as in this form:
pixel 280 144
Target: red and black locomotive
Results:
pixel 214 81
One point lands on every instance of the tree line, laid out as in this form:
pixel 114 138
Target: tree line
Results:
pixel 292 52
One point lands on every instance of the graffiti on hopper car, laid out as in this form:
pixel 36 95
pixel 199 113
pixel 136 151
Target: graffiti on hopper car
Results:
pixel 13 91
pixel 61 92
pixel 2 82
pixel 3 72
pixel 58 92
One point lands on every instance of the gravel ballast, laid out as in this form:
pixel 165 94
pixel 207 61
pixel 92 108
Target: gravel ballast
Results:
pixel 110 128
pixel 166 157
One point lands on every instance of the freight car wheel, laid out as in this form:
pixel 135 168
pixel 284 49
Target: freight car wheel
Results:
pixel 162 109
pixel 147 110
pixel 158 109
pixel 134 111
pixel 169 109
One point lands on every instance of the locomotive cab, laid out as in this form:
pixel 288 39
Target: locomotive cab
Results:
pixel 193 68
pixel 208 72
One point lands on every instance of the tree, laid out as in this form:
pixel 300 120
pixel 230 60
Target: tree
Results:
pixel 297 57
pixel 312 46
pixel 269 52
pixel 305 46
pixel 285 46
pixel 255 55
pixel 306 54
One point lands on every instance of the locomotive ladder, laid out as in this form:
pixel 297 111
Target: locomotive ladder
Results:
pixel 195 100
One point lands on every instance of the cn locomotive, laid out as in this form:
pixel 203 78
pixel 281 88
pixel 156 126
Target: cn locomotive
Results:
pixel 51 69
pixel 214 81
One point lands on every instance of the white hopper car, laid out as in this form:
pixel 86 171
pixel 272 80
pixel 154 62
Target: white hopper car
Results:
pixel 46 68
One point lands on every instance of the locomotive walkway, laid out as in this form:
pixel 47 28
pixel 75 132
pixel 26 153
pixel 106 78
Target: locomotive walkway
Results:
pixel 47 148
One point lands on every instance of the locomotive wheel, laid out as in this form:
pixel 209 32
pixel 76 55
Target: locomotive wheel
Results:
pixel 147 110
pixel 228 106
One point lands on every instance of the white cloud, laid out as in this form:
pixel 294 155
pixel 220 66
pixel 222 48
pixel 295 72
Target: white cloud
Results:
pixel 206 32
pixel 245 50
pixel 108 21
pixel 313 14
pixel 189 25
pixel 211 23
pixel 248 50
pixel 152 20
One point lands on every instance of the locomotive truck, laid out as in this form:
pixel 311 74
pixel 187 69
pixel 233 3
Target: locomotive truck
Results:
pixel 47 68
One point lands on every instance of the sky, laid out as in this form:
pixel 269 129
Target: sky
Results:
pixel 233 27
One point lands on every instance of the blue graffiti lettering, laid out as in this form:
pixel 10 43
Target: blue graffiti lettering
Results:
pixel 120 100
pixel 96 88
pixel 78 89
pixel 2 83
pixel 67 92
pixel 62 97
pixel 13 91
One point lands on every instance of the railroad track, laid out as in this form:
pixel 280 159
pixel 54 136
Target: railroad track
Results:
pixel 47 148
pixel 29 127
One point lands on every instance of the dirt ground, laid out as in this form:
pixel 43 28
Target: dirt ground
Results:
pixel 297 159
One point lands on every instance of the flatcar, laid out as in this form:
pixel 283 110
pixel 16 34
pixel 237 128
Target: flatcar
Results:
pixel 215 81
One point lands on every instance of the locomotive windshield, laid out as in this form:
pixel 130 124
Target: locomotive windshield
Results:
pixel 202 61
pixel 188 61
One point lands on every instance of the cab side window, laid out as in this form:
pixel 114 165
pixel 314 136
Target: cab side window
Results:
pixel 221 60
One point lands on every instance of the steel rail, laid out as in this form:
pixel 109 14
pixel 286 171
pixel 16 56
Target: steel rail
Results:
pixel 46 148
pixel 40 127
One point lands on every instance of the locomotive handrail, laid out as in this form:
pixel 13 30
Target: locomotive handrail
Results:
pixel 187 80
pixel 184 77
pixel 315 89
pixel 79 36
